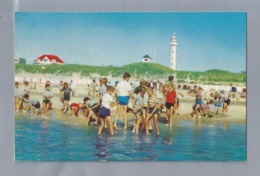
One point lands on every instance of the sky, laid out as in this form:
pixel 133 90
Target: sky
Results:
pixel 205 40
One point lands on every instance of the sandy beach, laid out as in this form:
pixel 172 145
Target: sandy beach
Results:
pixel 236 113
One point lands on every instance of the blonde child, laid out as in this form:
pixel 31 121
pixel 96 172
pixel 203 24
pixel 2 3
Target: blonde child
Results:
pixel 152 111
pixel 104 113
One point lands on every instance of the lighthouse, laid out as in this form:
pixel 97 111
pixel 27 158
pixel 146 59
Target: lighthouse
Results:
pixel 173 52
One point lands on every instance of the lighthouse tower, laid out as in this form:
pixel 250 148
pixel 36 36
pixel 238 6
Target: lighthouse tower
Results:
pixel 173 52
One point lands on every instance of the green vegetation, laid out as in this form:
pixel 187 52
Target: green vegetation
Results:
pixel 138 70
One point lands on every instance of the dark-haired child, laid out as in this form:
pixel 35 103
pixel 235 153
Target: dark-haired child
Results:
pixel 32 103
pixel 47 95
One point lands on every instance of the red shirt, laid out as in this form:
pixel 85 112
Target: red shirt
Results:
pixel 170 96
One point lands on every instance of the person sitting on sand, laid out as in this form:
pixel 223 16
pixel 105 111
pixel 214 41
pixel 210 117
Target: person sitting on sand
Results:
pixel 66 96
pixel 211 108
pixel 32 103
pixel 170 101
pixel 204 107
pixel 47 95
pixel 93 110
pixel 104 112
pixel 139 98
pixel 152 111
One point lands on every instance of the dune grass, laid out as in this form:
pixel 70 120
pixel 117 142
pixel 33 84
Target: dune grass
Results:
pixel 137 70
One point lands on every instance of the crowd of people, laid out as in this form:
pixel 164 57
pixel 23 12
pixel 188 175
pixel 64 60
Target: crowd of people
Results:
pixel 142 101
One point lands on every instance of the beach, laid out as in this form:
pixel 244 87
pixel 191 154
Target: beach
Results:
pixel 236 112
pixel 63 137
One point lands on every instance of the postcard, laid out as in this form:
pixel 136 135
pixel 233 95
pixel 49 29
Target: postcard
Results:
pixel 130 86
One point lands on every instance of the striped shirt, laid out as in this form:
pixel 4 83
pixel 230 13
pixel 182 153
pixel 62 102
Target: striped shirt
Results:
pixel 152 101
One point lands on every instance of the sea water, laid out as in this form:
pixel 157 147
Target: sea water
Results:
pixel 188 140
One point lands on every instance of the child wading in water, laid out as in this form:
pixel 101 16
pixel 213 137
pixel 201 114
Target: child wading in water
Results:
pixel 124 89
pixel 92 110
pixel 198 103
pixel 104 112
pixel 47 95
pixel 75 107
pixel 32 102
pixel 152 111
pixel 65 98
pixel 139 98
pixel 170 100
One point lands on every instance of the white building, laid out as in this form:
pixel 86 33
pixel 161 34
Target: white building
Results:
pixel 147 58
pixel 173 52
pixel 47 60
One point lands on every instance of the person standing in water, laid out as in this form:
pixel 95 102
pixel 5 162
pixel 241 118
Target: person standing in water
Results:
pixel 124 91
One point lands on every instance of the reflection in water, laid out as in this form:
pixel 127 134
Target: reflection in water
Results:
pixel 197 125
pixel 43 140
pixel 225 125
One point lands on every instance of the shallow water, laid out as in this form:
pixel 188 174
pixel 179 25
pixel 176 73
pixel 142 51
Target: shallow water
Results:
pixel 188 140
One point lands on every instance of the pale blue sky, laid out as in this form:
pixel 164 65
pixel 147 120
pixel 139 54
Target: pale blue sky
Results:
pixel 205 40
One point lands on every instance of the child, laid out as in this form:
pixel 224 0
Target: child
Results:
pixel 93 109
pixel 32 103
pixel 124 89
pixel 170 100
pixel 226 102
pixel 204 107
pixel 66 96
pixel 75 107
pixel 104 113
pixel 198 103
pixel 102 90
pixel 218 102
pixel 47 95
pixel 61 86
pixel 152 111
pixel 22 91
pixel 145 85
pixel 17 96
pixel 139 112
pixel 211 108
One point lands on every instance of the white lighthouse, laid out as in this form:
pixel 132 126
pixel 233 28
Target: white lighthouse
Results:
pixel 173 52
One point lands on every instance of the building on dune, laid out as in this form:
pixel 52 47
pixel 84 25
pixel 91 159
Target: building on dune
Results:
pixel 20 61
pixel 48 60
pixel 147 58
